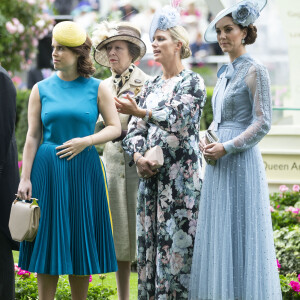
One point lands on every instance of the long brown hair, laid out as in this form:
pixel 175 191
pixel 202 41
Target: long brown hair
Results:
pixel 85 66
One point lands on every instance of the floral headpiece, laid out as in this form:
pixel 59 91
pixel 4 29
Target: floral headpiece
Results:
pixel 246 14
pixel 165 18
pixel 104 31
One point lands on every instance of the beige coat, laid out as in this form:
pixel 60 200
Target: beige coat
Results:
pixel 122 179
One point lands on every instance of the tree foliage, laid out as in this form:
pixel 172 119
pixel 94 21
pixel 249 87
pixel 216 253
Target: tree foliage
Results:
pixel 22 24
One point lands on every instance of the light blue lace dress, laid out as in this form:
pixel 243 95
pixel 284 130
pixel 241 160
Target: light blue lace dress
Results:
pixel 234 256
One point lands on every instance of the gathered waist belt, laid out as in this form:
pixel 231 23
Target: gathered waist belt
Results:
pixel 232 125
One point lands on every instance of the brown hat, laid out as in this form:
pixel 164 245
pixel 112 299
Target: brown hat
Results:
pixel 107 32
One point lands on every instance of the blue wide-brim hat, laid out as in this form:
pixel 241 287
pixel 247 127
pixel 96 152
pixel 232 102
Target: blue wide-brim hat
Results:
pixel 210 34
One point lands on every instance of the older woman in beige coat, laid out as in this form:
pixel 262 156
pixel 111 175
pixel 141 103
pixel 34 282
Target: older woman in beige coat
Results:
pixel 118 46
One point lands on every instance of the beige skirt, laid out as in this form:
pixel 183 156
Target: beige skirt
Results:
pixel 122 187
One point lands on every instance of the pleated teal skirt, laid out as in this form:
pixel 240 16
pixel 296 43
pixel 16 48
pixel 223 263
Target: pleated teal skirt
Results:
pixel 75 231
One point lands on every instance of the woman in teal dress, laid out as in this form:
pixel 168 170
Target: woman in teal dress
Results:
pixel 234 256
pixel 64 173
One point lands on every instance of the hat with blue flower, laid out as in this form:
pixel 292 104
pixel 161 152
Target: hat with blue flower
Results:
pixel 243 13
pixel 165 18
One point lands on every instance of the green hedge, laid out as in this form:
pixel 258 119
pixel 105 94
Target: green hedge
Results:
pixel 21 120
pixel 285 212
pixel 26 287
pixel 207 114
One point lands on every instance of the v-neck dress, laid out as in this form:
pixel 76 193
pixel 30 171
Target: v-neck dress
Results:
pixel 75 231
pixel 234 255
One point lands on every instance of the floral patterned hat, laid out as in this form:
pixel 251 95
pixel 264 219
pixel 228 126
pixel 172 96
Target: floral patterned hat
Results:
pixel 244 13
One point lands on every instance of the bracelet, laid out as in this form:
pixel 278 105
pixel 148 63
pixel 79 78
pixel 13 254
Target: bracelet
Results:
pixel 92 143
pixel 146 118
pixel 138 159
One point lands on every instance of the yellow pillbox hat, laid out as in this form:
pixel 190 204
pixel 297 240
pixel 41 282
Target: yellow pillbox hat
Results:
pixel 69 34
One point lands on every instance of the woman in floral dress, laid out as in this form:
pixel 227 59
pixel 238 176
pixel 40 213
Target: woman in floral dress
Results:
pixel 168 115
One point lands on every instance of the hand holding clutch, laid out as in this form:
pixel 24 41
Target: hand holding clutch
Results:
pixel 24 220
pixel 210 137
pixel 155 155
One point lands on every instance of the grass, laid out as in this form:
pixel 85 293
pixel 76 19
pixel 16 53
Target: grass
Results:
pixel 110 280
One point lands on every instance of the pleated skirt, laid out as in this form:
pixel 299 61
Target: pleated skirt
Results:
pixel 234 255
pixel 75 230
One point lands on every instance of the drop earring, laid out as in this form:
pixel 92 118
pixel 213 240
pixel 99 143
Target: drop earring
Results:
pixel 243 41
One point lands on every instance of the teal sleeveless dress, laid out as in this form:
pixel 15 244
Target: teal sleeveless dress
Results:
pixel 75 231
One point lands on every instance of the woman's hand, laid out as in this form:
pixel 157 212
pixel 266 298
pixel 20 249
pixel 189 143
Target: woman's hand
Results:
pixel 214 151
pixel 128 106
pixel 144 167
pixel 73 147
pixel 25 189
pixel 202 144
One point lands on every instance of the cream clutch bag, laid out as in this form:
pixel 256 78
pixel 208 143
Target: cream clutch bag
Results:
pixel 154 154
pixel 24 220
pixel 210 137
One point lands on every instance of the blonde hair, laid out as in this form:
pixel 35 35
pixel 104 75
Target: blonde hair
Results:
pixel 179 34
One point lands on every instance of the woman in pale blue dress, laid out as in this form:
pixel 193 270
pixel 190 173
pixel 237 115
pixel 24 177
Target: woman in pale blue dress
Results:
pixel 234 256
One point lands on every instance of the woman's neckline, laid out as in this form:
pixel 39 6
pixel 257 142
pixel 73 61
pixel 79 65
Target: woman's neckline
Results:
pixel 178 74
pixel 236 60
pixel 67 80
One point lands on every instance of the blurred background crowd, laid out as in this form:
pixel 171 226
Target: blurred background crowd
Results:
pixel 33 55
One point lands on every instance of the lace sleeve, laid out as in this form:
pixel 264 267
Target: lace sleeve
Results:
pixel 184 108
pixel 258 83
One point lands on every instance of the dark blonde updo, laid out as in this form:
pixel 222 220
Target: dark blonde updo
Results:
pixel 251 32
pixel 179 34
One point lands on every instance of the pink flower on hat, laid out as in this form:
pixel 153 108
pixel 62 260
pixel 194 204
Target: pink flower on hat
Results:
pixel 283 188
pixel 296 188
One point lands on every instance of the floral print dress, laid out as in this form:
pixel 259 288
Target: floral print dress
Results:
pixel 168 202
